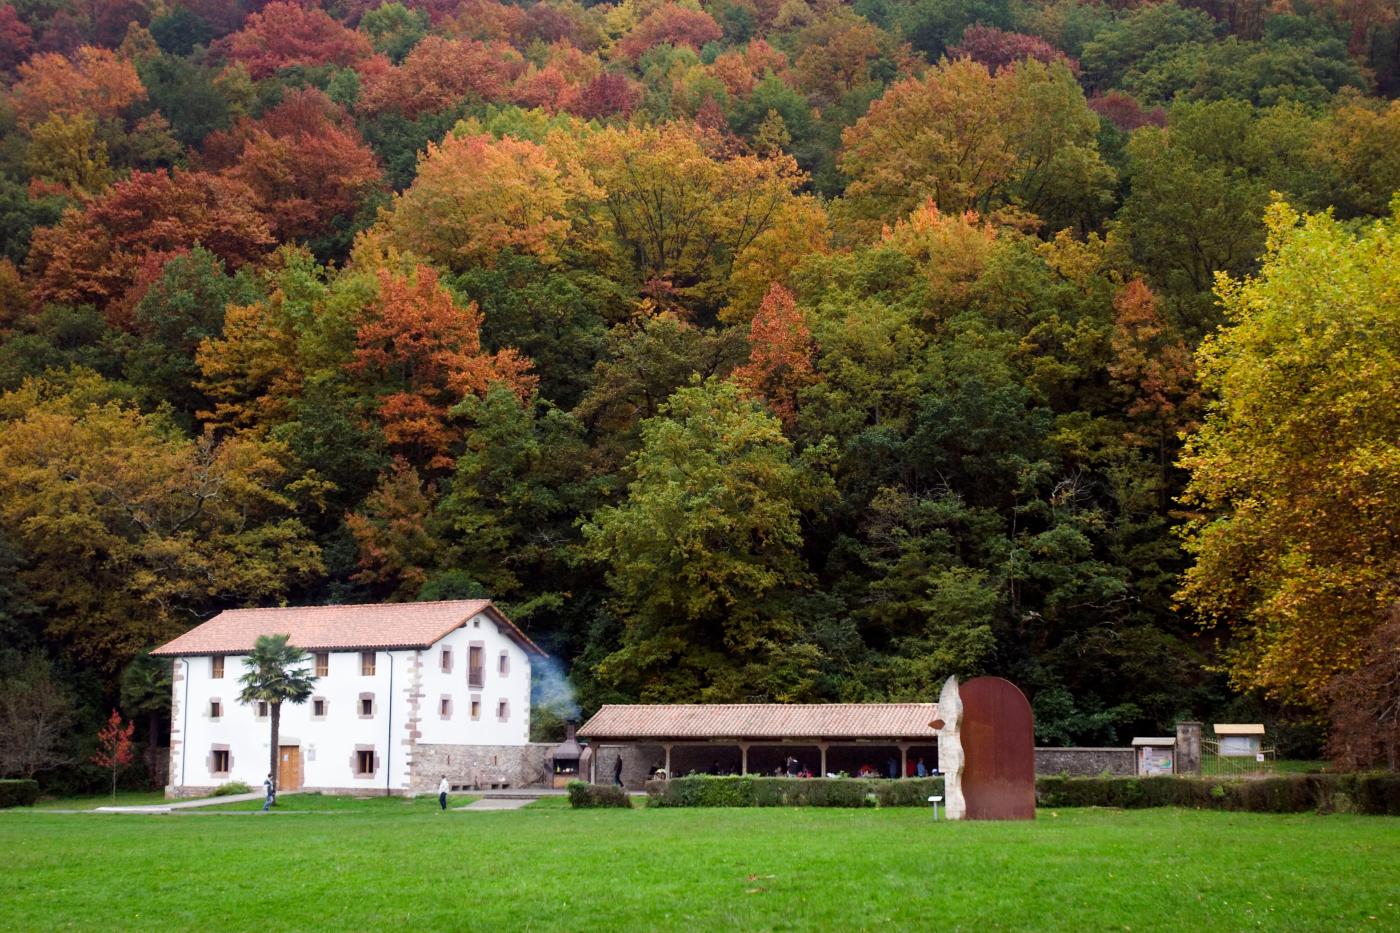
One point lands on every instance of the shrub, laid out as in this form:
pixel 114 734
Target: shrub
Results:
pixel 1294 793
pixel 583 796
pixel 749 791
pixel 18 793
pixel 232 787
pixel 1378 794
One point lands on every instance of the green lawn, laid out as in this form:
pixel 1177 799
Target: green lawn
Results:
pixel 551 868
pixel 124 799
pixel 320 803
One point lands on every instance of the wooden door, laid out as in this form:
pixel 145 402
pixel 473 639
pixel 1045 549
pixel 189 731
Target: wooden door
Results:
pixel 289 767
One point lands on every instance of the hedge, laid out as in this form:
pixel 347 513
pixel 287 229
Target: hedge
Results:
pixel 18 793
pixel 583 795
pixel 1295 793
pixel 756 791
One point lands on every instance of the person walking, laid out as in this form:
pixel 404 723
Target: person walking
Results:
pixel 617 771
pixel 443 788
pixel 270 790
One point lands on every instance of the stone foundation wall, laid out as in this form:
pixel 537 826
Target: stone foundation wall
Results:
pixel 472 767
pixel 1085 762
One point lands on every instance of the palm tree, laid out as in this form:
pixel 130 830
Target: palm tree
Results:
pixel 274 677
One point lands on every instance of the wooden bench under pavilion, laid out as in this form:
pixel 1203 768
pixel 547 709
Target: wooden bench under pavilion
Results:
pixel 664 735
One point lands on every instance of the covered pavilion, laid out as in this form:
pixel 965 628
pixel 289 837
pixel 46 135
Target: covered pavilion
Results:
pixel 754 738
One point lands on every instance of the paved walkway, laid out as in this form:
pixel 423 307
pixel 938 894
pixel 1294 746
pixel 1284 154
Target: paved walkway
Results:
pixel 499 803
pixel 189 804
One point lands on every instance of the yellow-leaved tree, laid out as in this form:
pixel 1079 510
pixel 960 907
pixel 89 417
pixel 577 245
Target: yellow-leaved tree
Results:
pixel 1295 470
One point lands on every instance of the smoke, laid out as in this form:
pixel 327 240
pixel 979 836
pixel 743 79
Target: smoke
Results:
pixel 552 691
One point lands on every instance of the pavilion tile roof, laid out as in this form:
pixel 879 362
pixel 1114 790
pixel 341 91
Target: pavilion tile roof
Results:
pixel 379 626
pixel 763 721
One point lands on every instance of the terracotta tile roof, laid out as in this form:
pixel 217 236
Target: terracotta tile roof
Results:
pixel 763 721
pixel 339 628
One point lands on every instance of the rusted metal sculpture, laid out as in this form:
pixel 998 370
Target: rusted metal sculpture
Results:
pixel 998 747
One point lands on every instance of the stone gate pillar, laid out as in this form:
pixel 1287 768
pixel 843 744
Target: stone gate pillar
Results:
pixel 1187 759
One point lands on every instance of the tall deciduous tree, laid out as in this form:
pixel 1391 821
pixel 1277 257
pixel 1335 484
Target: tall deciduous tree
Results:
pixel 679 214
pixel 36 712
pixel 131 530
pixel 703 552
pixel 522 199
pixel 276 674
pixel 305 163
pixel 283 34
pixel 120 240
pixel 1296 468
pixel 94 82
pixel 421 354
pixel 780 356
pixel 1023 138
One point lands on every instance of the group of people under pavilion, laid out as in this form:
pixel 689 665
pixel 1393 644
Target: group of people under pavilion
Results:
pixel 888 740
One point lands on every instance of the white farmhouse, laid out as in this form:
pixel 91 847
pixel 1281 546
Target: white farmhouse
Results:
pixel 406 692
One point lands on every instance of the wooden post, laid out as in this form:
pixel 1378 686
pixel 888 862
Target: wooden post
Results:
pixel 823 746
pixel 903 760
pixel 668 761
pixel 743 757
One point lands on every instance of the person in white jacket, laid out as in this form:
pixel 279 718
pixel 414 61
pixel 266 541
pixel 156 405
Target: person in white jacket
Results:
pixel 443 788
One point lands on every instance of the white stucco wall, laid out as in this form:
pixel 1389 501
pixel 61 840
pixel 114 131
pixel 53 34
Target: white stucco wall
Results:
pixel 329 743
pixel 513 687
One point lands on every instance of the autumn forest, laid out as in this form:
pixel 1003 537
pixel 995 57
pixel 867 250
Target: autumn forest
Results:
pixel 740 350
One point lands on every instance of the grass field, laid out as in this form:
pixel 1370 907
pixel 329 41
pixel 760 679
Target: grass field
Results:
pixel 321 803
pixel 551 868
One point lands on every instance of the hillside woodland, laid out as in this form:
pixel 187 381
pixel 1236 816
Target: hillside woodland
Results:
pixel 741 350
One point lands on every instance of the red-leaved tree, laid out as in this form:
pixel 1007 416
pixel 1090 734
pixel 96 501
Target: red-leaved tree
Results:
pixel 16 39
pixel 670 24
pixel 286 34
pixel 997 48
pixel 114 747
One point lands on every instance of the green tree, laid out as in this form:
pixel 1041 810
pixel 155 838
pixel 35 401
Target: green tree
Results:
pixel 704 551
pixel 182 308
pixel 277 674
pixel 1295 472
pixel 146 692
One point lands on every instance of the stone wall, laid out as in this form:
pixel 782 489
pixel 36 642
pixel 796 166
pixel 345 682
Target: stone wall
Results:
pixel 1085 762
pixel 472 767
pixel 638 759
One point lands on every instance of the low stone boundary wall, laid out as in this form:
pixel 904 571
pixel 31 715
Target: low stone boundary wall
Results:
pixel 1085 762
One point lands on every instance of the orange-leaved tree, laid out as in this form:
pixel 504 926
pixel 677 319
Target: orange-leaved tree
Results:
pixel 94 82
pixel 420 354
pixel 780 361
